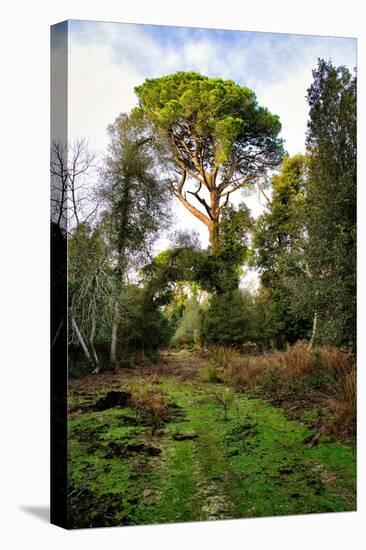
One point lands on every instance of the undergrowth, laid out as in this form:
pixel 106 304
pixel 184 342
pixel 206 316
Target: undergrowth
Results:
pixel 296 373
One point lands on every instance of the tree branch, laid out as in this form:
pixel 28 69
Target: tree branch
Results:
pixel 177 190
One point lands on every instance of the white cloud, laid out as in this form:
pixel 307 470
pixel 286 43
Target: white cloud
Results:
pixel 199 55
pixel 98 91
pixel 287 97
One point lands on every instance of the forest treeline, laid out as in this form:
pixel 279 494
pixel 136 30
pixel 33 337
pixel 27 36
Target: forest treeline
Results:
pixel 200 141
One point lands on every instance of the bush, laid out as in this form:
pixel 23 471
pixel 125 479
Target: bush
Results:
pixel 229 319
pixel 211 374
pixel 78 365
pixel 343 401
pixel 150 403
pixel 233 367
pixel 272 380
pixel 222 357
pixel 344 406
pixel 143 326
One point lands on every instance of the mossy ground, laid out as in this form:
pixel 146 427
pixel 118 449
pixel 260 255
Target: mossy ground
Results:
pixel 256 463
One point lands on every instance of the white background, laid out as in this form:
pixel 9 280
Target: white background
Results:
pixel 24 367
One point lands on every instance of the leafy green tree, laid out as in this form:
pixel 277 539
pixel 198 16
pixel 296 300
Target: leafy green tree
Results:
pixel 188 263
pixel 168 270
pixel 135 203
pixel 269 320
pixel 306 243
pixel 331 202
pixel 142 325
pixel 220 271
pixel 279 252
pixel 217 140
pixel 229 320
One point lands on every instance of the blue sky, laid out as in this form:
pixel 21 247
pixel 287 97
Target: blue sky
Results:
pixel 106 61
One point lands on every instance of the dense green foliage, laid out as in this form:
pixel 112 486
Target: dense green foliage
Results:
pixel 229 319
pixel 279 241
pixel 217 271
pixel 305 244
pixel 213 133
pixel 331 251
pixel 220 271
pixel 135 199
pixel 223 116
pixel 216 137
pixel 143 326
pixel 233 420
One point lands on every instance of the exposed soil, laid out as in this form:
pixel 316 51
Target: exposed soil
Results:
pixel 112 399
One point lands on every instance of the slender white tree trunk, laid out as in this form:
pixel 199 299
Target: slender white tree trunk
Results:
pixel 91 342
pixel 313 334
pixel 113 350
pixel 81 340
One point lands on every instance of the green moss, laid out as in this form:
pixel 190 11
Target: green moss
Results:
pixel 254 464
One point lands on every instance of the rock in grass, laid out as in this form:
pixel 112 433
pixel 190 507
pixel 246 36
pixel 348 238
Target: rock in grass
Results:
pixel 181 436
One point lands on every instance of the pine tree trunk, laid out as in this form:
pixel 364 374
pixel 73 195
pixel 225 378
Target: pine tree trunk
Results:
pixel 214 234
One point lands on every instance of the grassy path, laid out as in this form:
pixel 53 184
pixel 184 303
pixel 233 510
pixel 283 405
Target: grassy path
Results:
pixel 254 464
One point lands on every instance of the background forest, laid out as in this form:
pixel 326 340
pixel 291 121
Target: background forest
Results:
pixel 291 339
pixel 212 134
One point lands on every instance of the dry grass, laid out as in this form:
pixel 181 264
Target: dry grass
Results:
pixel 211 374
pixel 149 402
pixel 243 371
pixel 343 406
pixel 296 373
pixel 222 357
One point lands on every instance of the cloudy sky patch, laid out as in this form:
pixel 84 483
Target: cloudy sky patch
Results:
pixel 107 60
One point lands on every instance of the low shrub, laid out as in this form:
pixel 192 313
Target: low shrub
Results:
pixel 243 371
pixel 221 357
pixel 211 374
pixel 327 373
pixel 343 406
pixel 272 379
pixel 150 403
pixel 225 398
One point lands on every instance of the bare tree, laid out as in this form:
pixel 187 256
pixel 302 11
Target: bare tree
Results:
pixel 59 183
pixel 73 204
pixel 73 172
pixel 91 290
